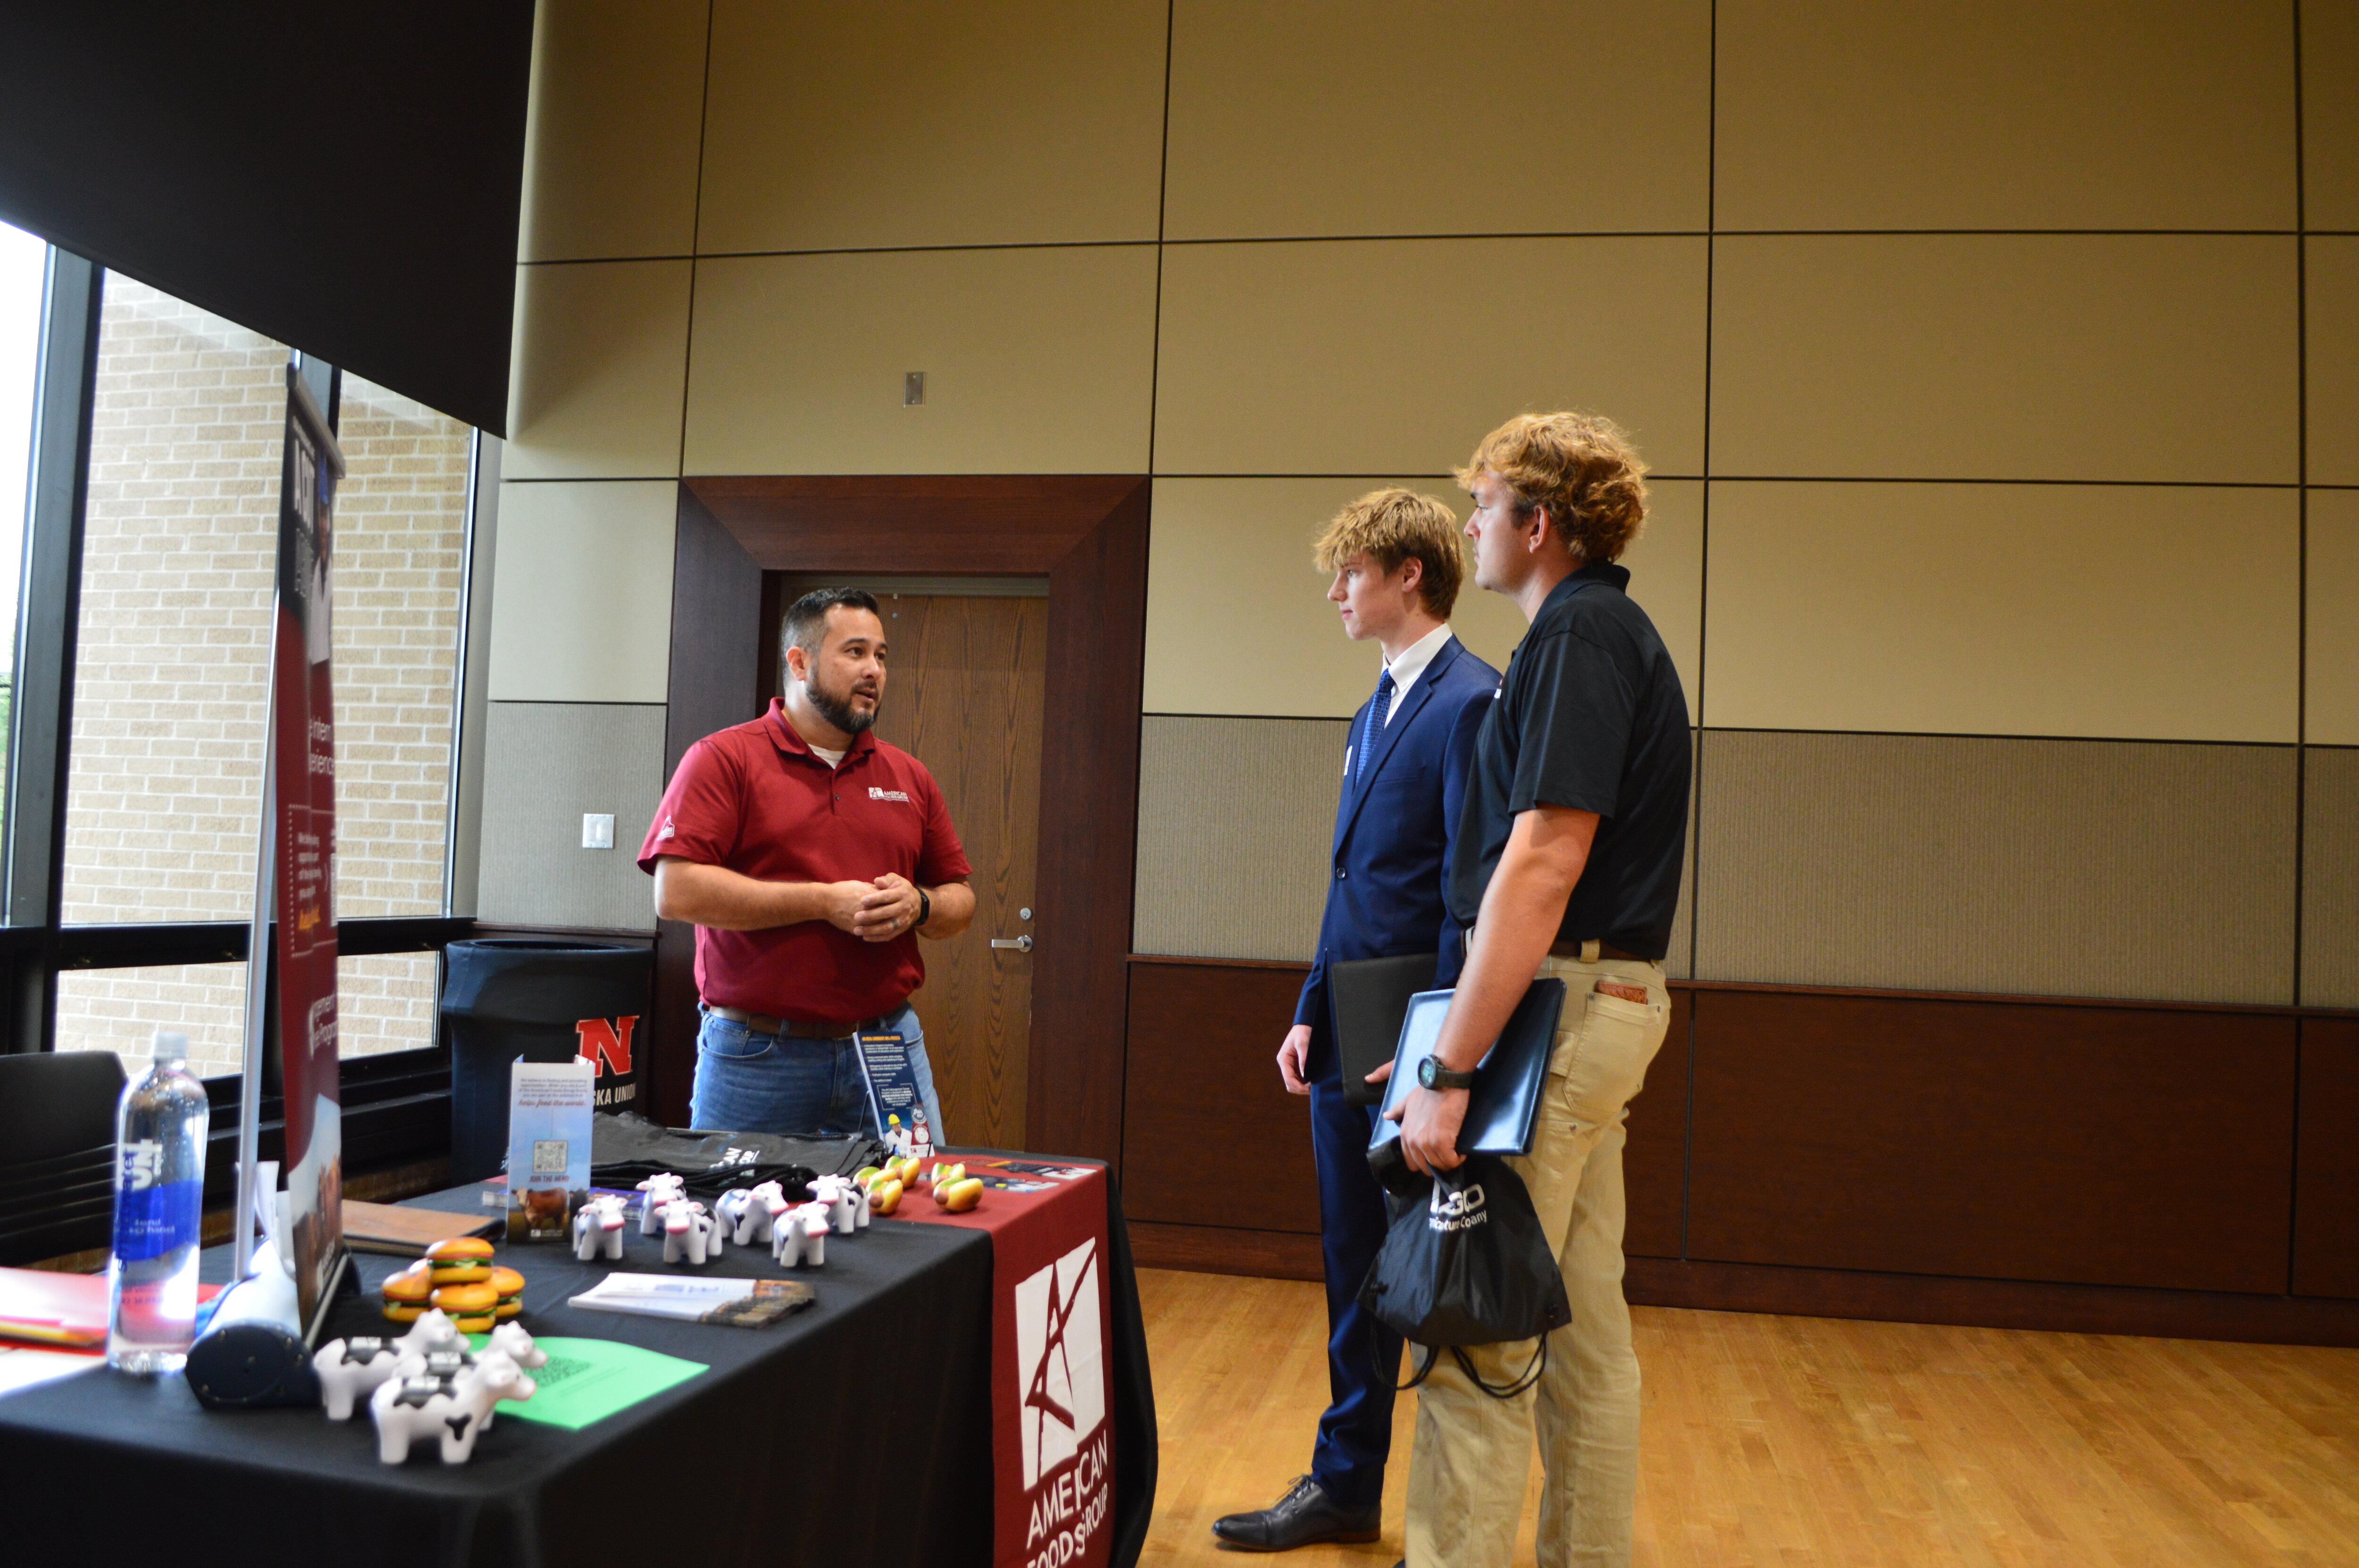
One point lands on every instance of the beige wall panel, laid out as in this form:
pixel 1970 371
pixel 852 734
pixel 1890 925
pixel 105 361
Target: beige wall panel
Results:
pixel 1036 361
pixel 1237 818
pixel 2330 114
pixel 2330 878
pixel 2331 673
pixel 610 146
pixel 2157 613
pixel 582 592
pixel 1353 117
pixel 2332 320
pixel 2006 114
pixel 932 123
pixel 1395 356
pixel 1989 356
pixel 2049 868
pixel 546 764
pixel 1238 621
pixel 601 352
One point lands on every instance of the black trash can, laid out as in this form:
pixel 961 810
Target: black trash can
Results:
pixel 544 1001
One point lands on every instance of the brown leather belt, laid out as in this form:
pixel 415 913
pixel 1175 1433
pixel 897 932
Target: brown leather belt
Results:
pixel 762 1023
pixel 1575 951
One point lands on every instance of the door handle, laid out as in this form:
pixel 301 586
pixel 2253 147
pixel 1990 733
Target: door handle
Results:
pixel 1021 944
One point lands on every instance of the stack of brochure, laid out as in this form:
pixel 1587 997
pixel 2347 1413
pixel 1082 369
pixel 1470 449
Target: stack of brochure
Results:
pixel 743 1304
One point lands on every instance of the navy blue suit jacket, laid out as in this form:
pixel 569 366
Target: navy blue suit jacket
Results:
pixel 1395 825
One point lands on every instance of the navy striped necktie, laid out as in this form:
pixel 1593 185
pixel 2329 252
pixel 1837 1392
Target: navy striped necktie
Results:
pixel 1376 712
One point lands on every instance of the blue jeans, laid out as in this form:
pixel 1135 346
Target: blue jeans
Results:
pixel 747 1082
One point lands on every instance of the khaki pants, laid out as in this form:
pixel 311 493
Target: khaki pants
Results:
pixel 1466 1476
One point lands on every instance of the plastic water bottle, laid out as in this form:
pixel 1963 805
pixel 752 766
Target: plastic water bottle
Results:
pixel 159 1182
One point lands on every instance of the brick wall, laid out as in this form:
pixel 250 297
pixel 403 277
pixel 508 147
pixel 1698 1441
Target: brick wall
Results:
pixel 179 544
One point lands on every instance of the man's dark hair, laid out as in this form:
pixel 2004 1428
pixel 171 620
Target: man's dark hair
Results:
pixel 805 626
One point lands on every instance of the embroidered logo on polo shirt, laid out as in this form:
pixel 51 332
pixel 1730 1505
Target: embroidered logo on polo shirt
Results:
pixel 875 793
pixel 666 831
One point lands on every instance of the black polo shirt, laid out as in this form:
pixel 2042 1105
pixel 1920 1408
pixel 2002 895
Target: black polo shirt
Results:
pixel 1590 717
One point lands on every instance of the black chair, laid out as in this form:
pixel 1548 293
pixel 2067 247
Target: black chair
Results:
pixel 57 1152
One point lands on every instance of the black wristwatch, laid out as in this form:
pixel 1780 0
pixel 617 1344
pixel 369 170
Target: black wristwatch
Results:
pixel 925 909
pixel 1434 1076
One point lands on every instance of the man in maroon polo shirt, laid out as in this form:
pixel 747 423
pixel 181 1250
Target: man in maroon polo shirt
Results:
pixel 810 856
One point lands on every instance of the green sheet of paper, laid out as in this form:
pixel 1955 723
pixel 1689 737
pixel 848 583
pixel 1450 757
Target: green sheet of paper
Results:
pixel 587 1380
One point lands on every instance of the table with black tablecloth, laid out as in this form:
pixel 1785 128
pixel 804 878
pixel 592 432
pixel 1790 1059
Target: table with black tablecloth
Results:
pixel 857 1431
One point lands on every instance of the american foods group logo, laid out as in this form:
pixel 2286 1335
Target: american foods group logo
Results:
pixel 1060 1382
pixel 1060 1375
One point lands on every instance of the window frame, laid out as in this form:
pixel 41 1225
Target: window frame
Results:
pixel 397 1103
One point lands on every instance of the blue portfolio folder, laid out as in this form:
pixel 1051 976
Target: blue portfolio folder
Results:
pixel 1503 1109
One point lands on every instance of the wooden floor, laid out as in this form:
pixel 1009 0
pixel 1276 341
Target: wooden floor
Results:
pixel 1814 1442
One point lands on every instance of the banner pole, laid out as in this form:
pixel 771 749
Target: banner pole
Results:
pixel 258 977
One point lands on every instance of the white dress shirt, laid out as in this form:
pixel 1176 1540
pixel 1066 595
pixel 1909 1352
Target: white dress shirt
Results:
pixel 1411 664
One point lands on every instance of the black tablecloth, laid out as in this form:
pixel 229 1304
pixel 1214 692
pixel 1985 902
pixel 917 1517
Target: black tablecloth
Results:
pixel 856 1431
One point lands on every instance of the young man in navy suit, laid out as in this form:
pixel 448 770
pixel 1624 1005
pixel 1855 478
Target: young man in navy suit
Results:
pixel 1398 563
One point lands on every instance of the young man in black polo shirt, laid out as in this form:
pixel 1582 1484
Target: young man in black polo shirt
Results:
pixel 1568 864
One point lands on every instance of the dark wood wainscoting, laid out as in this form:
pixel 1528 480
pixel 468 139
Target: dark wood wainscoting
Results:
pixel 2326 1182
pixel 2017 1162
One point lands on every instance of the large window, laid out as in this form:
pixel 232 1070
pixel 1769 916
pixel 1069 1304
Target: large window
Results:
pixel 170 660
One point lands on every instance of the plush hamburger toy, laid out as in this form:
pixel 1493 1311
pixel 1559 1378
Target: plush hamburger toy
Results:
pixel 508 1286
pixel 405 1292
pixel 459 1260
pixel 472 1307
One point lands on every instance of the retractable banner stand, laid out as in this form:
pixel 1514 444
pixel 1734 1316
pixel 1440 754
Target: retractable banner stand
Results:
pixel 302 789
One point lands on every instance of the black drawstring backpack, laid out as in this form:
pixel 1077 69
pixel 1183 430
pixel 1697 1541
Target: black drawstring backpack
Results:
pixel 1465 1263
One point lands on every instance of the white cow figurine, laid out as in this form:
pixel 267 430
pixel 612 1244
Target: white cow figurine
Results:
pixel 751 1214
pixel 511 1340
pixel 452 1410
pixel 501 1365
pixel 598 1228
pixel 842 1199
pixel 689 1232
pixel 349 1369
pixel 801 1237
pixel 662 1192
pixel 433 1331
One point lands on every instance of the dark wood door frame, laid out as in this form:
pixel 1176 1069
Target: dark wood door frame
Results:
pixel 1087 533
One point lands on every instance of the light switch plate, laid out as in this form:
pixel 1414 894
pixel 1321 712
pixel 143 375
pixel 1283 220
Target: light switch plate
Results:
pixel 597 830
pixel 913 389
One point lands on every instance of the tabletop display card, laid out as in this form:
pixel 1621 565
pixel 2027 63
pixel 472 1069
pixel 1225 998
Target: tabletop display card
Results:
pixel 549 1109
pixel 892 1097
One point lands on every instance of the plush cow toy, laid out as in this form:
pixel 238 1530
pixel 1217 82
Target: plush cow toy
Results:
pixel 801 1237
pixel 661 1190
pixel 451 1409
pixel 688 1231
pixel 751 1214
pixel 598 1228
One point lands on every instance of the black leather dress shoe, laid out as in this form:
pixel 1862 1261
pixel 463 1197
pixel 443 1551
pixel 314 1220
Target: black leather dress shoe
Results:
pixel 1305 1515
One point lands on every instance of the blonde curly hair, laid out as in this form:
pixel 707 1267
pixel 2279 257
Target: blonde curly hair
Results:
pixel 1581 468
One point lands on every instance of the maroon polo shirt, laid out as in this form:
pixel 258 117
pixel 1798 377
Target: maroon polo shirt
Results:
pixel 757 800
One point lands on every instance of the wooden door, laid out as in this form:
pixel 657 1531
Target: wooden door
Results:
pixel 964 696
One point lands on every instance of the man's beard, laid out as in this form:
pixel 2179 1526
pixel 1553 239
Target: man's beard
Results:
pixel 836 707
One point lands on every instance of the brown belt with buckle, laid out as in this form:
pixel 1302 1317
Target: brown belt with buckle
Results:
pixel 1581 952
pixel 762 1023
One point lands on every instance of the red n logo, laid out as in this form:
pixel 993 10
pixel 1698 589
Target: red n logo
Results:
pixel 607 1044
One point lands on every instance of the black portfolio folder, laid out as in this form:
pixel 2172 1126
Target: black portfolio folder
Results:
pixel 1503 1109
pixel 1368 997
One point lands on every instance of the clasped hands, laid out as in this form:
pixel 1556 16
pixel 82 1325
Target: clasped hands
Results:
pixel 875 910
